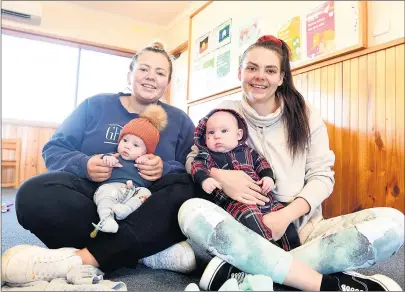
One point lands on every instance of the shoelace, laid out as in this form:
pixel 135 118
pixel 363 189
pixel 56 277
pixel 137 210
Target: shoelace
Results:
pixel 238 276
pixel 348 288
pixel 48 268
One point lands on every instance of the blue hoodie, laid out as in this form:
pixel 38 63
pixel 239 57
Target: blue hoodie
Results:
pixel 94 127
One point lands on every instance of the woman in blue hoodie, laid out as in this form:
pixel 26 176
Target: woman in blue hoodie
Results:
pixel 58 206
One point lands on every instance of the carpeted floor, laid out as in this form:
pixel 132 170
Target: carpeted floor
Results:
pixel 143 278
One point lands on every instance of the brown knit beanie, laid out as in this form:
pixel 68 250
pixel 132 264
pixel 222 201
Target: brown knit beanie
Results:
pixel 148 126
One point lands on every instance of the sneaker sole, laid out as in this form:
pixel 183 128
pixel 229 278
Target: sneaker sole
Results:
pixel 212 268
pixel 383 280
pixel 192 263
pixel 6 258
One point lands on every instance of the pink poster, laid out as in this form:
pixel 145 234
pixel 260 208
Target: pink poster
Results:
pixel 321 30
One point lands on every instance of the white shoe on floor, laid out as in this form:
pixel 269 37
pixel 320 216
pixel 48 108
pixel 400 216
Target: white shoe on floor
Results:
pixel 178 258
pixel 27 263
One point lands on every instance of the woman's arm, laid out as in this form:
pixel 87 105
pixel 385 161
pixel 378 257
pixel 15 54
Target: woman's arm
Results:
pixel 319 176
pixel 184 142
pixel 61 152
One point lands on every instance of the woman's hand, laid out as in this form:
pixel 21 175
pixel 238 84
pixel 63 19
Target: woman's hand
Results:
pixel 97 170
pixel 277 222
pixel 239 186
pixel 151 169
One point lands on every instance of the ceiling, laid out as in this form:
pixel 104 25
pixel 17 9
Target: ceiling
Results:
pixel 160 13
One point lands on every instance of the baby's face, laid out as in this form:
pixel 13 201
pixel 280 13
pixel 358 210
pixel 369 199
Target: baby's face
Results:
pixel 131 147
pixel 222 133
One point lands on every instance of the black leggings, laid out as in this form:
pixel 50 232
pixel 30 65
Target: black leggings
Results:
pixel 58 208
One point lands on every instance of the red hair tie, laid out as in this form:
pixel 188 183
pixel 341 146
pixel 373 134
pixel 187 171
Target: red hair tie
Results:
pixel 270 38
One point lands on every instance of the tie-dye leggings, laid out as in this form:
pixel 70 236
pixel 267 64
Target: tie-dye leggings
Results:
pixel 348 242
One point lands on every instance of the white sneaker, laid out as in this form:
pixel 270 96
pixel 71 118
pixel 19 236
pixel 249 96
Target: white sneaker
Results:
pixel 27 263
pixel 192 287
pixel 178 258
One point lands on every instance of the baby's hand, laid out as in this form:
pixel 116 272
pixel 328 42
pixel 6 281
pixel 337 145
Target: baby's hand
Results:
pixel 141 159
pixel 111 161
pixel 267 184
pixel 210 184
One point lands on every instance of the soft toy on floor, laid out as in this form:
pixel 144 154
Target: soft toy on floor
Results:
pixel 5 207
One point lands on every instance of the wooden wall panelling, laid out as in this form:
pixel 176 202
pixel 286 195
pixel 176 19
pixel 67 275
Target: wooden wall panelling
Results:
pixel 380 134
pixel 390 163
pixel 398 190
pixel 317 90
pixel 323 104
pixel 311 82
pixel 330 96
pixel 338 145
pixel 304 85
pixel 363 146
pixel 297 82
pixel 353 170
pixel 32 142
pixel 371 130
pixel 323 94
pixel 7 174
pixel 45 135
pixel 345 138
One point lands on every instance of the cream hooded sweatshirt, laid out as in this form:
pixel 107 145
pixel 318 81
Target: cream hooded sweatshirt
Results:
pixel 309 176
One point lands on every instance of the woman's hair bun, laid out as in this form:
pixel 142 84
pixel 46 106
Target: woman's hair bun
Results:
pixel 157 45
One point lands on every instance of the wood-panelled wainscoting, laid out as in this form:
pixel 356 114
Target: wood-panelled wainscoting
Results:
pixel 33 139
pixel 361 99
pixel 362 102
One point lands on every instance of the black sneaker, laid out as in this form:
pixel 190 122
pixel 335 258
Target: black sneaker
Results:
pixel 217 273
pixel 352 281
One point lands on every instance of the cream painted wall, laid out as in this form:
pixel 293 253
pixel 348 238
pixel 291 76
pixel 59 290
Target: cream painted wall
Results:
pixel 176 32
pixel 385 18
pixel 73 21
pixel 176 35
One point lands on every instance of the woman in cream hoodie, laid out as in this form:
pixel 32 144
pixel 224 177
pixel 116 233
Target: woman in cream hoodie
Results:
pixel 292 136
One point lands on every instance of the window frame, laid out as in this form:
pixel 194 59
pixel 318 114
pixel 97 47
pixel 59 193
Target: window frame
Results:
pixel 45 37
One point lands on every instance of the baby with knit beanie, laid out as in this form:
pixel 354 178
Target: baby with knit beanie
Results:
pixel 126 190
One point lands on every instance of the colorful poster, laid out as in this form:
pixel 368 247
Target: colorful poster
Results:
pixel 223 34
pixel 249 33
pixel 224 64
pixel 203 44
pixel 290 32
pixel 321 30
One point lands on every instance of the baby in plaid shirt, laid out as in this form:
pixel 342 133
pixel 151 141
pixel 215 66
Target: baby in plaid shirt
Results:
pixel 221 139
